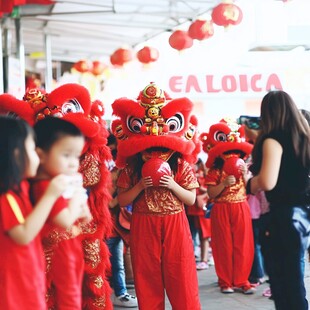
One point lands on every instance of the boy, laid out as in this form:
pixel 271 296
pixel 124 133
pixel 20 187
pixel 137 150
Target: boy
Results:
pixel 59 146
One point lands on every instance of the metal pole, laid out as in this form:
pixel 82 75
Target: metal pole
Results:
pixel 49 63
pixel 1 63
pixel 6 52
pixel 20 54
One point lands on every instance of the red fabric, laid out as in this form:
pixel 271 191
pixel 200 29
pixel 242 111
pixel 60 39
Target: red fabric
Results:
pixel 157 197
pixel 67 274
pixel 162 249
pixel 163 258
pixel 67 262
pixel 38 187
pixel 232 236
pixel 232 243
pixel 22 276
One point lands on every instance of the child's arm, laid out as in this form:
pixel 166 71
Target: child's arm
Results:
pixel 77 209
pixel 188 197
pixel 24 233
pixel 126 197
pixel 216 190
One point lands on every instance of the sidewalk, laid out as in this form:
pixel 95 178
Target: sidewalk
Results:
pixel 212 299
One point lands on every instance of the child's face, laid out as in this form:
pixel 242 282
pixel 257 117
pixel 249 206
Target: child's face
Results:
pixel 63 157
pixel 33 158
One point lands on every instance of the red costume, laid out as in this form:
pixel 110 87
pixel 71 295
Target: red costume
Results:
pixel 22 269
pixel 72 102
pixel 63 254
pixel 155 127
pixel 232 237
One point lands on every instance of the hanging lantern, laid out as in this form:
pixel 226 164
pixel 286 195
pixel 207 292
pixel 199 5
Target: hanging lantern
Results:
pixel 98 67
pixel 180 40
pixel 121 56
pixel 82 66
pixel 147 54
pixel 226 14
pixel 201 29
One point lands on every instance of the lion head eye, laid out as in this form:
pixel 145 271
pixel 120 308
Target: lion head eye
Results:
pixel 134 124
pixel 175 123
pixel 71 106
pixel 220 136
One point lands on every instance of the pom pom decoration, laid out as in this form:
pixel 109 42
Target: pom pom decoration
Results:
pixel 232 166
pixel 155 168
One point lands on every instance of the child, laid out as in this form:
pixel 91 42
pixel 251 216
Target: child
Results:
pixel 157 143
pixel 22 277
pixel 232 238
pixel 161 243
pixel 59 145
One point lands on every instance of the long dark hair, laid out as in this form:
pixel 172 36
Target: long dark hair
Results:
pixel 13 155
pixel 279 114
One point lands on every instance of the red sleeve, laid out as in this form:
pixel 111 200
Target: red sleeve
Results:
pixel 7 216
pixel 212 177
pixel 185 176
pixel 124 179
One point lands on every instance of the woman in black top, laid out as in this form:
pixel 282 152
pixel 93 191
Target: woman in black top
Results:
pixel 281 165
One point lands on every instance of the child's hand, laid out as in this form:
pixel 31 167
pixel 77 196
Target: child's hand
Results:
pixel 146 182
pixel 58 185
pixel 167 181
pixel 230 180
pixel 243 169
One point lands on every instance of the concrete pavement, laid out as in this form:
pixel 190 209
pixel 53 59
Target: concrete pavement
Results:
pixel 212 299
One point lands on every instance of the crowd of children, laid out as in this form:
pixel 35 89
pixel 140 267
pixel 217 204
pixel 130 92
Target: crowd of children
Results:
pixel 42 196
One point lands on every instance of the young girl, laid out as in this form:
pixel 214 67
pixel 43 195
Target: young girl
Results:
pixel 22 276
pixel 59 146
pixel 161 243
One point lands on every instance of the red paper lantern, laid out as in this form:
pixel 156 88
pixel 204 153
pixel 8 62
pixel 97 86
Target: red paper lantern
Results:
pixel 232 166
pixel 82 66
pixel 155 168
pixel 201 29
pixel 147 54
pixel 98 67
pixel 121 56
pixel 226 14
pixel 180 40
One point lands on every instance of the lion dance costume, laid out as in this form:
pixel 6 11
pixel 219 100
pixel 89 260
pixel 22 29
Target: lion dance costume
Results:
pixel 152 130
pixel 232 237
pixel 72 102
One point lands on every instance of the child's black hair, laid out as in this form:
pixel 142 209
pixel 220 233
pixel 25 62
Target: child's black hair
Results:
pixel 13 155
pixel 50 129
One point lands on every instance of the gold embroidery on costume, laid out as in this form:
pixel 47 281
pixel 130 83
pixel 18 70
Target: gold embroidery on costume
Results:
pixel 89 167
pixel 92 252
pixel 99 302
pixel 98 281
pixel 233 193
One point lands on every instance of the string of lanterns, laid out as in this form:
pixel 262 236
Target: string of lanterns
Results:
pixel 224 14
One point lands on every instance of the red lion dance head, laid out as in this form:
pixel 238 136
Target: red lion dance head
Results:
pixel 226 142
pixel 72 102
pixel 155 120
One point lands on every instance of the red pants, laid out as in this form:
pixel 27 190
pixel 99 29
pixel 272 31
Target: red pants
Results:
pixel 232 243
pixel 163 259
pixel 67 274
